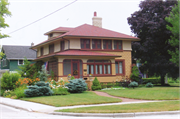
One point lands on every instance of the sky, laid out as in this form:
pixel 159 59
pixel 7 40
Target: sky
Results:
pixel 114 15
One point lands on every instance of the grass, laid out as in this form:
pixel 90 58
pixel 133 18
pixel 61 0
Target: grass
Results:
pixel 72 99
pixel 155 93
pixel 127 108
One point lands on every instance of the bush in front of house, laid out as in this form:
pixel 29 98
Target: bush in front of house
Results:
pixel 39 89
pixel 96 85
pixel 43 74
pixel 135 75
pixel 72 77
pixel 8 80
pixel 155 80
pixel 76 86
pixel 133 84
pixel 149 85
pixel 19 92
pixel 60 91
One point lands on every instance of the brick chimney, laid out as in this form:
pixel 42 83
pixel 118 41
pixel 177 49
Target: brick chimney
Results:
pixel 97 21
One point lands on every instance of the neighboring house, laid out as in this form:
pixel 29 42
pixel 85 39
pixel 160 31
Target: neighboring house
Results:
pixel 14 56
pixel 87 49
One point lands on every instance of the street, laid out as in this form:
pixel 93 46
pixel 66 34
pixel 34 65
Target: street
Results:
pixel 7 112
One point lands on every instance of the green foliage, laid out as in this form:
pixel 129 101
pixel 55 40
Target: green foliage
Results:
pixel 76 86
pixel 149 85
pixel 52 75
pixel 8 93
pixel 135 75
pixel 60 91
pixel 173 19
pixel 39 89
pixel 4 12
pixel 8 81
pixel 72 78
pixel 19 92
pixel 29 70
pixel 133 84
pixel 43 74
pixel 2 91
pixel 152 80
pixel 96 85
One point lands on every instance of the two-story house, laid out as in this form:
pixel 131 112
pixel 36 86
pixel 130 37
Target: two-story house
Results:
pixel 87 49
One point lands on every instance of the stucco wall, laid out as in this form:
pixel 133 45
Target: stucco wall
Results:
pixel 46 49
pixel 126 45
pixel 56 46
pixel 66 43
pixel 38 52
pixel 75 44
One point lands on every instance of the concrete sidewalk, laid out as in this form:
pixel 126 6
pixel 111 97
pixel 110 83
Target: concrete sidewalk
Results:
pixel 36 107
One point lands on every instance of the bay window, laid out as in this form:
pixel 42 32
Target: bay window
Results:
pixel 96 44
pixel 85 43
pixel 117 45
pixel 107 44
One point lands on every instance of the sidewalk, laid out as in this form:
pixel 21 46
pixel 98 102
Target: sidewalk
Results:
pixel 36 107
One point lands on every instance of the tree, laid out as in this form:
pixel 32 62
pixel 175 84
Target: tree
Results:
pixel 173 19
pixel 3 13
pixel 149 25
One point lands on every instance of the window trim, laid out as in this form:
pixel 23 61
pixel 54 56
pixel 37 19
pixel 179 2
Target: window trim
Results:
pixel 84 43
pixel 51 46
pixel 117 46
pixel 19 63
pixel 103 65
pixel 95 41
pixel 123 66
pixel 107 44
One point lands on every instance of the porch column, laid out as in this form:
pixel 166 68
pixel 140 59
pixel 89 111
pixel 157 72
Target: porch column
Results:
pixel 84 67
pixel 60 67
pixel 113 66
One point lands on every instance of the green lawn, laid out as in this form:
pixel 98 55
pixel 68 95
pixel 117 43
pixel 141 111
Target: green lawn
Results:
pixel 72 99
pixel 155 93
pixel 127 108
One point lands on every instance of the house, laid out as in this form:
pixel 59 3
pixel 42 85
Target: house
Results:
pixel 14 56
pixel 87 49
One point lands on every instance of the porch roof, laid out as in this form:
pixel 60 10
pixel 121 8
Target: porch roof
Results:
pixel 78 53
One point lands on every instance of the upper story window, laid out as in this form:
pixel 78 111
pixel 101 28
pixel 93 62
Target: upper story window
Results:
pixel 107 44
pixel 51 48
pixel 62 45
pixel 117 45
pixel 96 44
pixel 85 43
pixel 42 51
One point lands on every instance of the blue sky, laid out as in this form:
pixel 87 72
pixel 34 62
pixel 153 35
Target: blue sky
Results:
pixel 114 15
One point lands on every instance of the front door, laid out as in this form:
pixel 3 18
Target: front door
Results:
pixel 75 69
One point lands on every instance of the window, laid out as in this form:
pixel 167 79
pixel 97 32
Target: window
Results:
pixel 42 52
pixel 4 62
pixel 119 67
pixel 96 44
pixel 62 45
pixel 98 67
pixel 67 67
pixel 20 62
pixel 51 48
pixel 107 44
pixel 117 45
pixel 85 43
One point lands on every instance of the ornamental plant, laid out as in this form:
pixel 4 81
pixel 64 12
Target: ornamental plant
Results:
pixel 26 81
pixel 149 85
pixel 43 74
pixel 76 86
pixel 133 84
pixel 135 75
pixel 96 85
pixel 72 78
pixel 56 84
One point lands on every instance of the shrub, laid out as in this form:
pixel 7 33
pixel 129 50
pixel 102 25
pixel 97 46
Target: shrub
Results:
pixel 19 92
pixel 43 74
pixel 96 85
pixel 135 75
pixel 149 85
pixel 60 91
pixel 103 85
pixel 2 92
pixel 109 85
pixel 152 80
pixel 56 84
pixel 76 86
pixel 39 89
pixel 8 80
pixel 133 84
pixel 72 78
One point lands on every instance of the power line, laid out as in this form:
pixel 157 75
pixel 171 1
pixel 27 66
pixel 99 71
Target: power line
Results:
pixel 43 17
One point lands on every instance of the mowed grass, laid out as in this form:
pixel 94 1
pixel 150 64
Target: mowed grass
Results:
pixel 72 99
pixel 155 93
pixel 129 108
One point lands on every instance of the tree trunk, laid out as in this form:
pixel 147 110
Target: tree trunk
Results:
pixel 162 80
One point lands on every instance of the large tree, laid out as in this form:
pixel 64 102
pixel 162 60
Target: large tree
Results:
pixel 149 25
pixel 173 19
pixel 4 12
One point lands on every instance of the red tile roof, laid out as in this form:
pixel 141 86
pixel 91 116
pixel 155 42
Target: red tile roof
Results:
pixel 78 53
pixel 88 31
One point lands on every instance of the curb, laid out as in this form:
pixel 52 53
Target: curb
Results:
pixel 115 114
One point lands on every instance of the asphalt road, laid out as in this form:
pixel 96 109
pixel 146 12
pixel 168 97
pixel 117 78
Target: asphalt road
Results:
pixel 7 112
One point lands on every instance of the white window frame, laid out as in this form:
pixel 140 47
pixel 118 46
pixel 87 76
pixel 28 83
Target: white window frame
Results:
pixel 19 63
